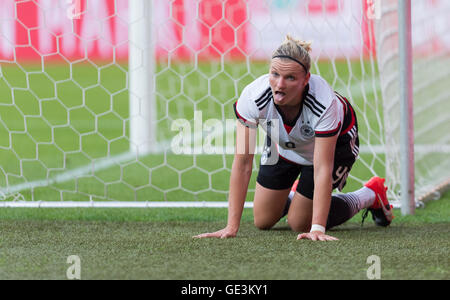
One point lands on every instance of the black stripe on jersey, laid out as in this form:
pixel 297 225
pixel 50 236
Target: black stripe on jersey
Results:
pixel 263 96
pixel 315 106
pixel 343 101
pixel 311 109
pixel 265 104
pixel 311 97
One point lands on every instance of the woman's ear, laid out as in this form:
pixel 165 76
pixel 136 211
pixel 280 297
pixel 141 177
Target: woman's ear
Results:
pixel 308 76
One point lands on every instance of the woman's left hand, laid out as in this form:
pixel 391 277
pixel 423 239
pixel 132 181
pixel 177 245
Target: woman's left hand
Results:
pixel 316 236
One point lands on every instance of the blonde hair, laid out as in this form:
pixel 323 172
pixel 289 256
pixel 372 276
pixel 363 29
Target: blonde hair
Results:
pixel 296 50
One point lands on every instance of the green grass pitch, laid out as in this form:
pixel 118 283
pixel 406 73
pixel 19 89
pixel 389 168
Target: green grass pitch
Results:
pixel 157 244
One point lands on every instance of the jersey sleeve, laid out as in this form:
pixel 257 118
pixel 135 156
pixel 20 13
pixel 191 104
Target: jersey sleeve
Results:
pixel 246 110
pixel 330 122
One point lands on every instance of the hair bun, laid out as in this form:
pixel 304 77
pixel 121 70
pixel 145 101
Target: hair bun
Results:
pixel 295 49
pixel 304 44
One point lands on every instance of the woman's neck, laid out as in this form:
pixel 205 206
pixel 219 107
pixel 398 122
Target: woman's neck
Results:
pixel 290 113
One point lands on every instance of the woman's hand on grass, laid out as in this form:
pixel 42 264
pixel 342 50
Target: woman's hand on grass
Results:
pixel 223 234
pixel 316 236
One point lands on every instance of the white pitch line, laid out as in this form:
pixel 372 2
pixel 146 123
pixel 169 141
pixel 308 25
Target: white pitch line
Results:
pixel 126 204
pixel 117 204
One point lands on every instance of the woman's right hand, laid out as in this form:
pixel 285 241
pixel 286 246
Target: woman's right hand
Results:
pixel 241 171
pixel 223 234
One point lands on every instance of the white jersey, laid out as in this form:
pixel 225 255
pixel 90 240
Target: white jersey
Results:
pixel 323 113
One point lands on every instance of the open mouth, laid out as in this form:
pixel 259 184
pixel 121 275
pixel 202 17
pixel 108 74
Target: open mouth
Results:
pixel 278 96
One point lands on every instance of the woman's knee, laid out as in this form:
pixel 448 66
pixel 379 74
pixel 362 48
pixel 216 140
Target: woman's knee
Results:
pixel 268 206
pixel 299 226
pixel 300 213
pixel 264 223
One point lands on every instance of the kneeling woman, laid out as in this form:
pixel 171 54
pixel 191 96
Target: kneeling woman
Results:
pixel 312 134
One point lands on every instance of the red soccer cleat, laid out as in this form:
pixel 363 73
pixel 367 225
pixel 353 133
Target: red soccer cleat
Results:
pixel 381 209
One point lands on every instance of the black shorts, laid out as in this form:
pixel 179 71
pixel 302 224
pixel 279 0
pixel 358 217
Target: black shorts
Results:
pixel 283 174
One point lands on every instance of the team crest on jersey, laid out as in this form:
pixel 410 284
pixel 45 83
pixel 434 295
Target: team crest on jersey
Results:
pixel 307 131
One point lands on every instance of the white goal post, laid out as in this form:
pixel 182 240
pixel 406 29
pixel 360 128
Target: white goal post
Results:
pixel 406 106
pixel 128 103
pixel 413 46
pixel 141 70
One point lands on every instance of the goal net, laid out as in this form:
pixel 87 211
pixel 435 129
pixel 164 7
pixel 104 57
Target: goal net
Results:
pixel 130 103
pixel 431 79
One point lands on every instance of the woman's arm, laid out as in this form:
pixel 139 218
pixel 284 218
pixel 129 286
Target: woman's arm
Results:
pixel 323 178
pixel 324 149
pixel 241 172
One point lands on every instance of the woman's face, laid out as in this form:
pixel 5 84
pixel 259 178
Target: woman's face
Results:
pixel 288 81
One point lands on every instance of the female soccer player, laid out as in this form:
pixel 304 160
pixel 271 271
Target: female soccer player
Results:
pixel 311 132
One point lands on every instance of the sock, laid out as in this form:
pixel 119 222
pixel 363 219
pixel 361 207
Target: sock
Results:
pixel 366 197
pixel 358 200
pixel 340 212
pixel 345 206
pixel 291 195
